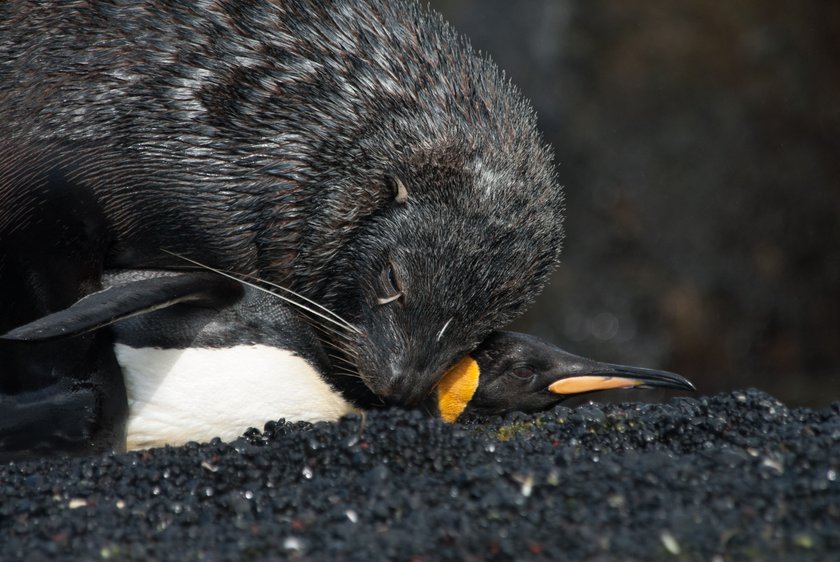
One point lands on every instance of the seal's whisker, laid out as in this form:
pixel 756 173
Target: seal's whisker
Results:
pixel 318 325
pixel 344 353
pixel 340 342
pixel 308 300
pixel 342 360
pixel 347 374
pixel 348 370
pixel 267 291
pixel 316 320
pixel 336 337
pixel 348 354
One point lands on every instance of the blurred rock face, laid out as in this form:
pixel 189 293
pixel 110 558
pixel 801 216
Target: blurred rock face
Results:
pixel 700 146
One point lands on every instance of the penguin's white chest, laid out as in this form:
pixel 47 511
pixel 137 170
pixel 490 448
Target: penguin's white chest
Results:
pixel 181 395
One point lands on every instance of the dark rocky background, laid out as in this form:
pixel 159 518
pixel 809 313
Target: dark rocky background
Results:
pixel 699 143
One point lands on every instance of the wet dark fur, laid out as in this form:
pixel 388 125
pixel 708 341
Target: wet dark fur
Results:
pixel 267 137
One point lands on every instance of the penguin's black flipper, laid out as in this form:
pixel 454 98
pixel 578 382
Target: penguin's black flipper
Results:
pixel 128 298
pixel 66 391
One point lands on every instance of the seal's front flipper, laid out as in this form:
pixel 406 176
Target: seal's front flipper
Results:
pixel 125 299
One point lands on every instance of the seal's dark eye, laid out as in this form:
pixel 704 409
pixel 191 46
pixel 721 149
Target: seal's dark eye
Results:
pixel 392 278
pixel 390 285
pixel 523 372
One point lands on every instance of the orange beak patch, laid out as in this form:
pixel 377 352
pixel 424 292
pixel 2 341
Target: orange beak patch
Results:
pixel 590 383
pixel 457 388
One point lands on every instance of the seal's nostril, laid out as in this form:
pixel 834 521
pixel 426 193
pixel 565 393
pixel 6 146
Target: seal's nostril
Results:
pixel 394 397
pixel 405 397
pixel 394 401
pixel 385 391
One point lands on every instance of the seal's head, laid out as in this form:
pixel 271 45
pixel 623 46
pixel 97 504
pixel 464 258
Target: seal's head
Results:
pixel 434 280
pixel 438 216
pixel 430 276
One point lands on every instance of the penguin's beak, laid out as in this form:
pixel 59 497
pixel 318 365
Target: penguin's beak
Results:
pixel 607 377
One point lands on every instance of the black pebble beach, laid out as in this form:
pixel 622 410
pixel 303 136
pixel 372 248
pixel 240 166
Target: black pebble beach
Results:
pixel 735 476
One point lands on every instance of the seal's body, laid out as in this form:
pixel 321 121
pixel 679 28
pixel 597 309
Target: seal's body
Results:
pixel 357 151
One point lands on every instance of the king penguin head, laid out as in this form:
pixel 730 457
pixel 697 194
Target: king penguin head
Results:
pixel 510 371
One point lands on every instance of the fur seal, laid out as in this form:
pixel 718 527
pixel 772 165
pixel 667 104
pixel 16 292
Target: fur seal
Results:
pixel 356 151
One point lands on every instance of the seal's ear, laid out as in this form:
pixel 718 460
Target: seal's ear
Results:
pixel 119 302
pixel 400 191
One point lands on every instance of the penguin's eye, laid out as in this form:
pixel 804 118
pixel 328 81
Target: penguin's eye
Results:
pixel 523 372
pixel 390 285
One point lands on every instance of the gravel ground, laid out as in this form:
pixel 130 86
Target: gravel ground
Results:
pixel 730 477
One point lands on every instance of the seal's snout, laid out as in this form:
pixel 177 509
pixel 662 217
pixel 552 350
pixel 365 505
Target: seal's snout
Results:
pixel 403 388
pixel 401 395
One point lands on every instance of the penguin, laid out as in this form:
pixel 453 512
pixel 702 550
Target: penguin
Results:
pixel 203 355
pixel 512 371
